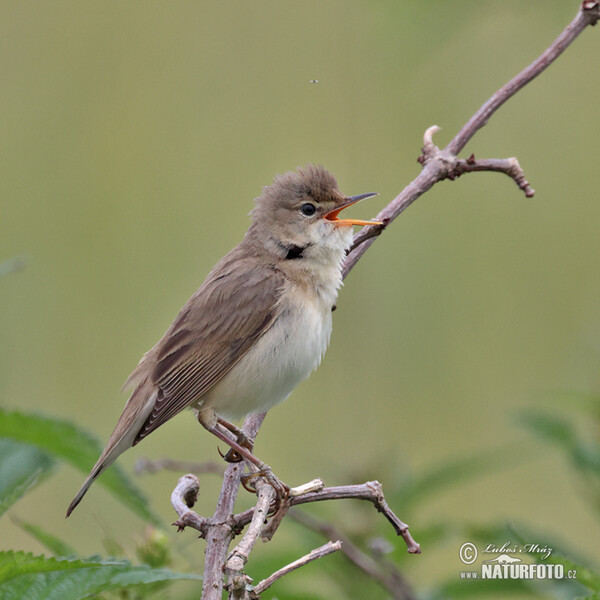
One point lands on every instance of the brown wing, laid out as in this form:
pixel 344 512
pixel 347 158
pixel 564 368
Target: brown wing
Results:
pixel 234 307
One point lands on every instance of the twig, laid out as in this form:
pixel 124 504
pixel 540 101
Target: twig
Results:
pixel 588 14
pixel 370 491
pixel 148 465
pixel 440 164
pixel 319 552
pixel 238 582
pixel 316 485
pixel 385 574
pixel 508 166
pixel 222 531
pixel 183 498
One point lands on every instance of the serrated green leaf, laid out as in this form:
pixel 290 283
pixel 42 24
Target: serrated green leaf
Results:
pixel 21 467
pixel 64 440
pixel 49 540
pixel 23 575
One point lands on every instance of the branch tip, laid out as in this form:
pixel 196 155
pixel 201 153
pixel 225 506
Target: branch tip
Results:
pixel 313 555
pixel 316 485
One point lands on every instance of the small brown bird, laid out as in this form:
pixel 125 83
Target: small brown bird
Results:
pixel 257 326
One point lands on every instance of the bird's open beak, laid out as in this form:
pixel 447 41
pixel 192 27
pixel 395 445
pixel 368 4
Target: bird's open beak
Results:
pixel 333 215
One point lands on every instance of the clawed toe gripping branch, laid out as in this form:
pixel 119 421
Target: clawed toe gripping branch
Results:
pixel 272 503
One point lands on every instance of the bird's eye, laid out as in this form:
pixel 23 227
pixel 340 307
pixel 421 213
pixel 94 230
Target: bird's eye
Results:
pixel 308 209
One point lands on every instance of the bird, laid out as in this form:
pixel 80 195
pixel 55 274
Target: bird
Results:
pixel 258 325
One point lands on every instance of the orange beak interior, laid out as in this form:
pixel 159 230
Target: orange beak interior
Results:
pixel 333 215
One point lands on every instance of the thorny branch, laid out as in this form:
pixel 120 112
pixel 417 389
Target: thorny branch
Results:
pixel 437 166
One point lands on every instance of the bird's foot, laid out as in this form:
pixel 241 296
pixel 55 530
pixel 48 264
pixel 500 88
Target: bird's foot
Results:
pixel 282 490
pixel 244 440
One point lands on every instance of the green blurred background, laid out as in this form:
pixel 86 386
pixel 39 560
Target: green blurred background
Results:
pixel 134 137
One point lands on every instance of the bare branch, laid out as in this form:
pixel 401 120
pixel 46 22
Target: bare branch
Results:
pixel 370 491
pixel 319 552
pixel 183 498
pixel 508 166
pixel 148 465
pixel 439 165
pixel 385 574
pixel 588 14
pixel 284 503
pixel 234 567
pixel 221 532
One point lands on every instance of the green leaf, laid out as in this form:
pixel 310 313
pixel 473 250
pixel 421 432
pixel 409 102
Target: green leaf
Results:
pixel 23 575
pixel 21 467
pixel 53 543
pixel 68 442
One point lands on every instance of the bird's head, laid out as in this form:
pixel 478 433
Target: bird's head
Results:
pixel 299 214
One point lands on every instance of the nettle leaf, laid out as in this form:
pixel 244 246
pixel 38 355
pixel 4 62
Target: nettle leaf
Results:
pixel 21 467
pixel 66 441
pixel 23 575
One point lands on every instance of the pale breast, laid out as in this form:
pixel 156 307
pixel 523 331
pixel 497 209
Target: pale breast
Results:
pixel 283 357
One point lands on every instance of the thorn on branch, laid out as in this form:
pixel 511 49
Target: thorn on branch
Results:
pixel 429 149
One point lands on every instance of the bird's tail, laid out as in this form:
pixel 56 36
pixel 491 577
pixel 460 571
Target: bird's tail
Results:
pixel 85 487
pixel 122 438
pixel 114 449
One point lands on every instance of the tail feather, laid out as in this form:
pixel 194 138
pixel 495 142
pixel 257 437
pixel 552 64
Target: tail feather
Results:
pixel 135 414
pixel 112 451
pixel 84 488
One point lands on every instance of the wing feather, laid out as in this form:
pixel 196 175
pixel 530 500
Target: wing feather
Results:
pixel 237 303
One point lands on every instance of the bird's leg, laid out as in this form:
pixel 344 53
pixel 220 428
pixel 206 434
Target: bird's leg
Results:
pixel 260 469
pixel 244 453
pixel 242 439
